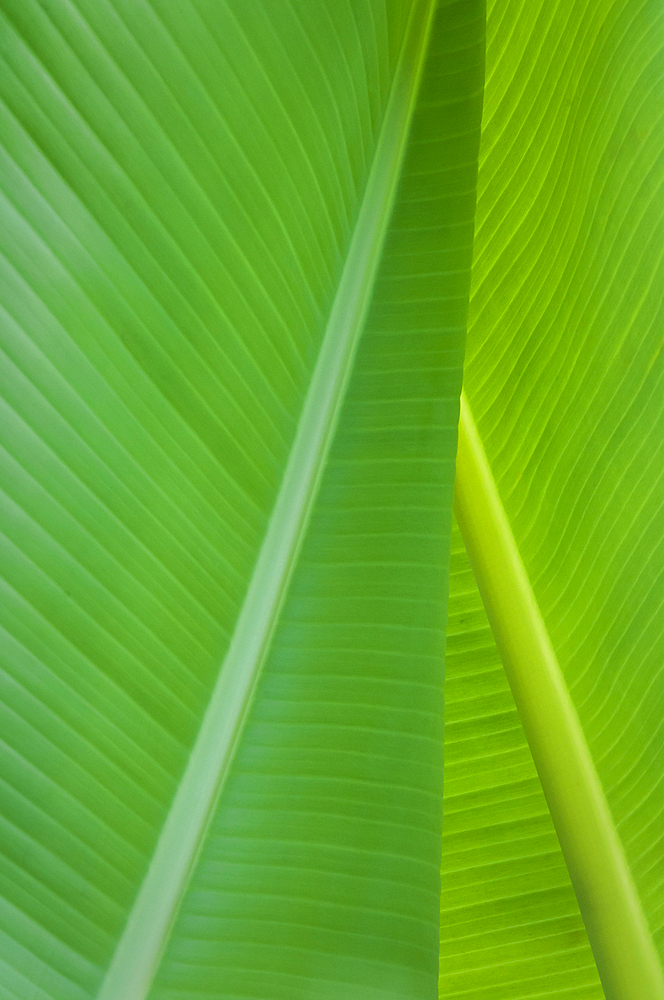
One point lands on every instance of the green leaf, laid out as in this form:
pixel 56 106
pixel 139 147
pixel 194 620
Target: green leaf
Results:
pixel 510 923
pixel 235 244
pixel 564 382
pixel 236 258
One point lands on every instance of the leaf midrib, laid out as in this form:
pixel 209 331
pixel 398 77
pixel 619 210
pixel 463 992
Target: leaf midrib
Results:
pixel 138 953
pixel 619 935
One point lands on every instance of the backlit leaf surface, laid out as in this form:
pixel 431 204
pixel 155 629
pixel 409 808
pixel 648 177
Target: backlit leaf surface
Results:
pixel 563 374
pixel 195 196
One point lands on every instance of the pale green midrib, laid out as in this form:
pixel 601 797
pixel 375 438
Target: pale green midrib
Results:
pixel 611 909
pixel 141 945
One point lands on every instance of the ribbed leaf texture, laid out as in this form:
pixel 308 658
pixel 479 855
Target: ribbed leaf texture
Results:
pixel 510 922
pixel 181 187
pixel 564 378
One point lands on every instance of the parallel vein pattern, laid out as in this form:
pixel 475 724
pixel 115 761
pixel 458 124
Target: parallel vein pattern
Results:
pixel 320 876
pixel 564 368
pixel 173 227
pixel 510 923
pixel 146 931
pixel 181 180
pixel 618 932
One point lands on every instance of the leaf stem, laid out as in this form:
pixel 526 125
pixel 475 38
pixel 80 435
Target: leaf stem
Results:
pixel 626 959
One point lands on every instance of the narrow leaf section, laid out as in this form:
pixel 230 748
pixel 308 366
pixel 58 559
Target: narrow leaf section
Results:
pixel 319 877
pixel 618 932
pixel 510 925
pixel 138 952
pixel 180 183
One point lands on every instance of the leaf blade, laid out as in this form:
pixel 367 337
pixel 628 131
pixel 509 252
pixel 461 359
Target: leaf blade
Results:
pixel 167 305
pixel 612 911
pixel 510 922
pixel 561 365
pixel 137 955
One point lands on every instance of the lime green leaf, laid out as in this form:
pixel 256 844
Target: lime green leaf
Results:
pixel 236 258
pixel 510 923
pixel 609 902
pixel 563 379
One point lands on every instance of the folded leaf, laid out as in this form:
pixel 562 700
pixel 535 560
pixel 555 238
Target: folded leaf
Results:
pixel 234 286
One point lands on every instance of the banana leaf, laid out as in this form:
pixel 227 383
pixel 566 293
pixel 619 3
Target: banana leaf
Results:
pixel 236 269
pixel 236 263
pixel 563 378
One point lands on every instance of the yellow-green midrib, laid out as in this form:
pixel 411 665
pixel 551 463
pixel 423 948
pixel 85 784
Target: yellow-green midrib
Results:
pixel 564 371
pixel 564 376
pixel 510 923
